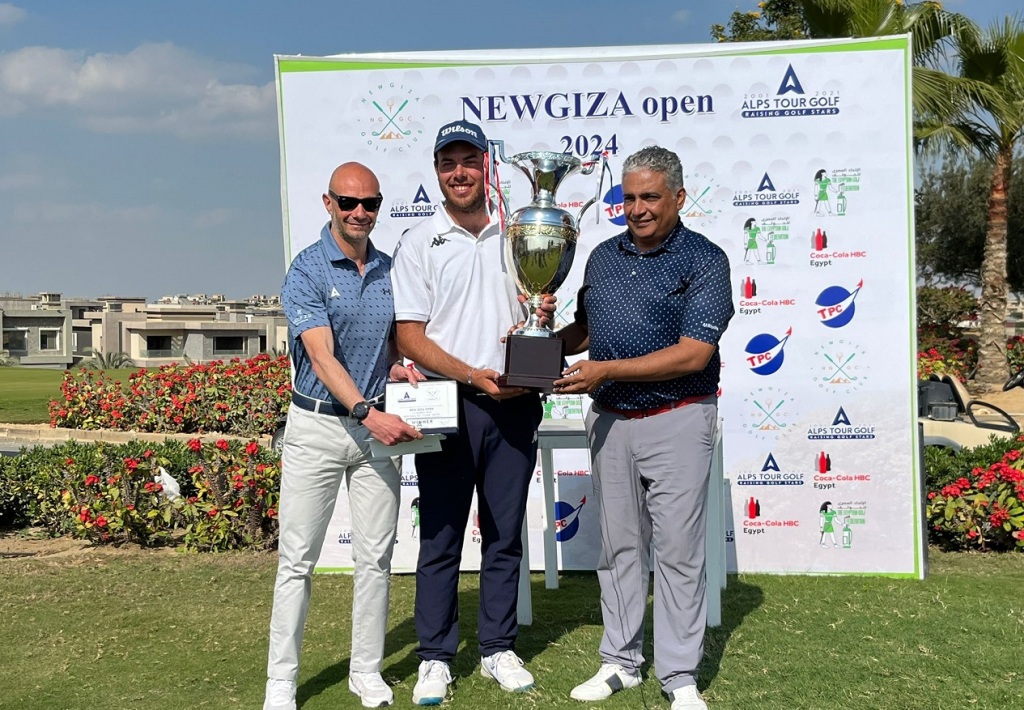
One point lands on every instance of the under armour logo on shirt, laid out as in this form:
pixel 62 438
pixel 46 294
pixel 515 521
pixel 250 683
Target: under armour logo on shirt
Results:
pixel 438 241
pixel 334 292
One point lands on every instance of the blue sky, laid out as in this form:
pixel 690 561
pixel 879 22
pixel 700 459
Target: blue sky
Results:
pixel 138 140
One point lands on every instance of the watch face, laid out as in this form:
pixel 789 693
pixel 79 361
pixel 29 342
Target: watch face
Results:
pixel 360 410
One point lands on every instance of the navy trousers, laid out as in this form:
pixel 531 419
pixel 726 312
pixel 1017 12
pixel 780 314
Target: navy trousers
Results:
pixel 495 452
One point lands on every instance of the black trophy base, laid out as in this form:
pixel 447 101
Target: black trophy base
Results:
pixel 532 362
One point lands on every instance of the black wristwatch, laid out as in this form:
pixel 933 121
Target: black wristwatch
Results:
pixel 361 410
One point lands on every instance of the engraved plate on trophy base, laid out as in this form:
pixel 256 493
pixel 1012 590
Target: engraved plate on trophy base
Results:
pixel 532 362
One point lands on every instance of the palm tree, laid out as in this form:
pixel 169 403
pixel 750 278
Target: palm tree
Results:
pixel 977 110
pixel 109 361
pixel 984 116
pixel 934 31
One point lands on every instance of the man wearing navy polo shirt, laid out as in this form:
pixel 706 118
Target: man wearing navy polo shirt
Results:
pixel 338 299
pixel 454 300
pixel 654 303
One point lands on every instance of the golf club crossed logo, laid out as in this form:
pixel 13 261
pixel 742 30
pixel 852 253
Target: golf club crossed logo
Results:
pixel 390 120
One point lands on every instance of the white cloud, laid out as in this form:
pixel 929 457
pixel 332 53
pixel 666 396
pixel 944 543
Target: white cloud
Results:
pixel 681 17
pixel 11 14
pixel 155 88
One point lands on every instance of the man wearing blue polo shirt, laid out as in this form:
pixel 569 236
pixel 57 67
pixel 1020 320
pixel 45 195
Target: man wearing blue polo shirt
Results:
pixel 654 303
pixel 454 300
pixel 338 299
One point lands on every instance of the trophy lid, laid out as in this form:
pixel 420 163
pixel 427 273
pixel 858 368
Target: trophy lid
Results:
pixel 546 169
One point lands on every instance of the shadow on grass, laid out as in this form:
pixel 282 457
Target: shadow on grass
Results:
pixel 738 600
pixel 581 607
pixel 557 614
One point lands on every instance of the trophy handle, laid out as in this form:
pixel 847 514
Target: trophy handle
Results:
pixel 496 149
pixel 587 205
pixel 597 158
pixel 496 154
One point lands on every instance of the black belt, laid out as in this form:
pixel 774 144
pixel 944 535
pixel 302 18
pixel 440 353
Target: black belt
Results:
pixel 318 406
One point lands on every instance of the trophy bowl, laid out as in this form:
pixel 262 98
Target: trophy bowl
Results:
pixel 540 244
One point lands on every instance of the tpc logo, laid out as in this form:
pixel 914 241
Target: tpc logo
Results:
pixel 835 305
pixel 766 353
pixel 567 520
pixel 613 209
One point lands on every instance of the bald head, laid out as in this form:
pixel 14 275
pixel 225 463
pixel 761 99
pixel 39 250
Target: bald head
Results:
pixel 351 176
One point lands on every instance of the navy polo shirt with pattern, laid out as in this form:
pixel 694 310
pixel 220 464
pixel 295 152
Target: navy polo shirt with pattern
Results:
pixel 635 303
pixel 323 287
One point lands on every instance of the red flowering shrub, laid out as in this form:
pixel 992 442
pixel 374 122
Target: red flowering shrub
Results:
pixel 1015 353
pixel 244 398
pixel 984 510
pixel 956 357
pixel 120 503
pixel 115 493
pixel 235 505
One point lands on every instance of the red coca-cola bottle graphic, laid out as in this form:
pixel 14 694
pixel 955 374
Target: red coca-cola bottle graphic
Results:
pixel 748 287
pixel 753 508
pixel 818 242
pixel 822 464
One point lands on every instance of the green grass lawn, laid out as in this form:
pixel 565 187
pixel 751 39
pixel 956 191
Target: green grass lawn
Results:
pixel 25 392
pixel 129 629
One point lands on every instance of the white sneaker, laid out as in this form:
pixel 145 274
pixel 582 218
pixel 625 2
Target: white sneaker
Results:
pixel 371 689
pixel 432 684
pixel 688 698
pixel 610 678
pixel 280 694
pixel 507 668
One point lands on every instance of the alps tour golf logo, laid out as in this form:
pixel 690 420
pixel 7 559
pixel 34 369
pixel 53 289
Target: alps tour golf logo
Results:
pixel 843 427
pixel 766 195
pixel 771 473
pixel 791 99
pixel 419 206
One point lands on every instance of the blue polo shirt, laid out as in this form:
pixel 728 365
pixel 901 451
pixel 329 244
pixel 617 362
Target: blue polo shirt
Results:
pixel 323 287
pixel 635 303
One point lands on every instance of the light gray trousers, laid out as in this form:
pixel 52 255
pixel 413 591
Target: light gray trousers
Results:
pixel 651 480
pixel 320 451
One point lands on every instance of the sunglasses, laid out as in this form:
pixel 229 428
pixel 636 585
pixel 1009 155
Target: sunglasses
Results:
pixel 347 204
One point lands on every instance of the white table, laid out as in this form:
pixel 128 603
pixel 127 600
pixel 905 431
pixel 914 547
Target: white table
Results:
pixel 570 434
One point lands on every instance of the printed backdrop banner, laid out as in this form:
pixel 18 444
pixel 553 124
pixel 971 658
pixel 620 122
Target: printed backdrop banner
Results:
pixel 797 163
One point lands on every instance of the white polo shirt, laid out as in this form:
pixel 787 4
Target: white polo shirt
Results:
pixel 460 286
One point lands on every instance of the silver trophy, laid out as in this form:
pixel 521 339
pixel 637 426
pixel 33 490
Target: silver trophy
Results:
pixel 540 243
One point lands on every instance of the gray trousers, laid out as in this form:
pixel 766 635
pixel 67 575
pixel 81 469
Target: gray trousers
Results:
pixel 321 451
pixel 651 480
